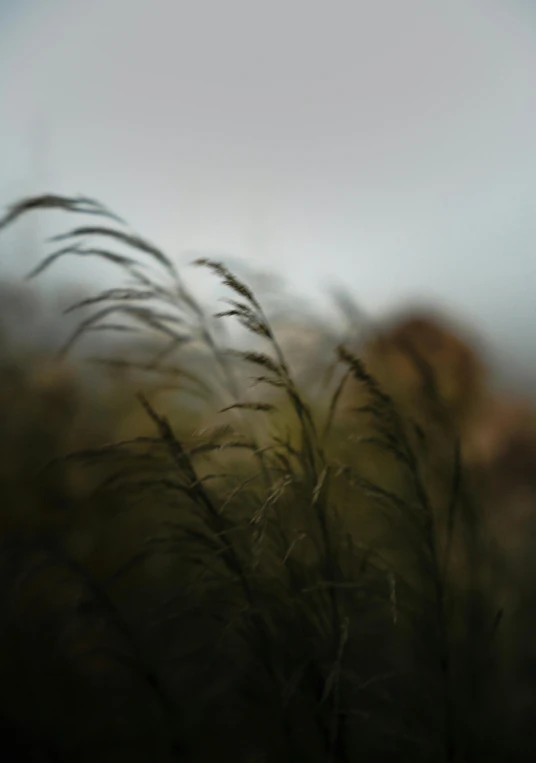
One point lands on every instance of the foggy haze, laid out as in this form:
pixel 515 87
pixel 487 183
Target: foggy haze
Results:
pixel 387 146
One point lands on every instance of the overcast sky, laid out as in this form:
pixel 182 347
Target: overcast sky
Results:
pixel 387 145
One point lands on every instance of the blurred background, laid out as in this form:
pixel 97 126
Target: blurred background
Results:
pixel 385 146
pixel 370 162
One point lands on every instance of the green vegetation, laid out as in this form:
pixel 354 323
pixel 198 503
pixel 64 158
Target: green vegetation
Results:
pixel 244 569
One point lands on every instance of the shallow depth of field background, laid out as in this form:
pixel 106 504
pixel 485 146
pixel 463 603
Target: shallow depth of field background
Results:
pixel 301 567
pixel 385 146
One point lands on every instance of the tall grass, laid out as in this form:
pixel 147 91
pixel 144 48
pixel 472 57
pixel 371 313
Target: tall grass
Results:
pixel 269 578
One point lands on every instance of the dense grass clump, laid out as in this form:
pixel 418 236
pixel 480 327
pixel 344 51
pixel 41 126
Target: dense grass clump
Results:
pixel 246 569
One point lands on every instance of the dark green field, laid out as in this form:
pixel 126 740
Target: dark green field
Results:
pixel 217 555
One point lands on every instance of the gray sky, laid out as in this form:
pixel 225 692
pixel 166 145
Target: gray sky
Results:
pixel 383 144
